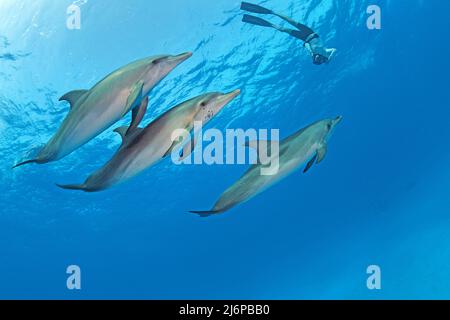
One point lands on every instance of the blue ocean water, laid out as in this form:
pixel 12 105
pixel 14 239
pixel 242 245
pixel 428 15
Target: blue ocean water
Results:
pixel 379 198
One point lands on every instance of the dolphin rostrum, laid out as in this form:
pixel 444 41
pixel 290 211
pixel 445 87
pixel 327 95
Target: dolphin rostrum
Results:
pixel 308 145
pixel 142 148
pixel 93 111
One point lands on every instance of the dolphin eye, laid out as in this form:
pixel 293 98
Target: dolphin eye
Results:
pixel 329 126
pixel 156 61
pixel 203 104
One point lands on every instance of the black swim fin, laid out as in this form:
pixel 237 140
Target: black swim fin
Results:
pixel 257 21
pixel 254 8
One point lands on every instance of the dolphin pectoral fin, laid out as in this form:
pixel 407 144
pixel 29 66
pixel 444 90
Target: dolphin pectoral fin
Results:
pixel 310 164
pixel 138 115
pixel 318 157
pixel 189 147
pixel 321 153
pixel 172 147
pixel 73 96
pixel 169 151
pixel 135 96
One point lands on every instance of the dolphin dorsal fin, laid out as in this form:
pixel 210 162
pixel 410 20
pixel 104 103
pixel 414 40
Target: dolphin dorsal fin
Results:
pixel 134 99
pixel 127 136
pixel 73 96
pixel 189 147
pixel 321 153
pixel 138 115
pixel 122 131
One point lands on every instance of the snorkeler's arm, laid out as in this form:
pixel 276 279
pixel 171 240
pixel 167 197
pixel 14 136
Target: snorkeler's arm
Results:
pixel 331 53
pixel 308 46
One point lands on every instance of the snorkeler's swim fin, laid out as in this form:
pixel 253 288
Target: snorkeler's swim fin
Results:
pixel 257 21
pixel 255 8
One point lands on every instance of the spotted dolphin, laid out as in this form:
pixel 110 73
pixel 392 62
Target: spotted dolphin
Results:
pixel 93 111
pixel 141 148
pixel 308 145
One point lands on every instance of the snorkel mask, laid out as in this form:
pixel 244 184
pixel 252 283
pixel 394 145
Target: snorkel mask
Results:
pixel 318 59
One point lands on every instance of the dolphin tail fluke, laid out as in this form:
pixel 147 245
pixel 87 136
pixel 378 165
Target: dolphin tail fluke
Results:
pixel 205 214
pixel 32 156
pixel 24 163
pixel 80 187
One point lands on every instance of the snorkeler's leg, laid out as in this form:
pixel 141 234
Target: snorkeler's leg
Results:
pixel 304 31
pixel 295 33
pixel 263 23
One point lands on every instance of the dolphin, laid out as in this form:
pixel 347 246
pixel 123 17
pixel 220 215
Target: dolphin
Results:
pixel 93 111
pixel 308 145
pixel 141 148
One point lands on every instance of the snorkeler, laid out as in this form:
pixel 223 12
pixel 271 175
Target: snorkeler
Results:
pixel 319 53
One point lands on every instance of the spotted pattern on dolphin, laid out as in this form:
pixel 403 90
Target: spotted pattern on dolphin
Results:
pixel 308 145
pixel 145 147
pixel 93 111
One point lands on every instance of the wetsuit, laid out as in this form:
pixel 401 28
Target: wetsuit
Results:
pixel 313 43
